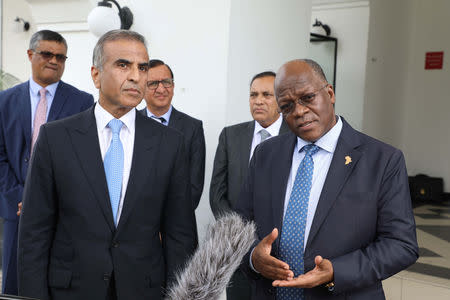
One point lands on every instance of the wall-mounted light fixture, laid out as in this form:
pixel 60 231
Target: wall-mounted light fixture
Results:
pixel 324 26
pixel 104 18
pixel 26 25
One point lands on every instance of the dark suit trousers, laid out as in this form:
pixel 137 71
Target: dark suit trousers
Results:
pixel 9 259
pixel 111 294
pixel 239 288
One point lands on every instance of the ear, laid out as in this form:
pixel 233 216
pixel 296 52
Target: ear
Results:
pixel 96 74
pixel 30 54
pixel 330 93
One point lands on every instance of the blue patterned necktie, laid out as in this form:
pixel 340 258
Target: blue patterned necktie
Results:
pixel 113 164
pixel 294 223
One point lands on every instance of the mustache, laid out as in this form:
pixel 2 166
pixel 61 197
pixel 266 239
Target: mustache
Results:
pixel 133 86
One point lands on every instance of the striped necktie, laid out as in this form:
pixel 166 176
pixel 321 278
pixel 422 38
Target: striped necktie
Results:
pixel 39 117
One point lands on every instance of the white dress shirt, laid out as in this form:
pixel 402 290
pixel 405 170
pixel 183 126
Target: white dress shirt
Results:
pixel 127 132
pixel 322 161
pixel 273 129
pixel 35 97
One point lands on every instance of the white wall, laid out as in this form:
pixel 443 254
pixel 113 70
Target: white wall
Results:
pixel 213 47
pixel 193 40
pixel 15 40
pixel 387 69
pixel 349 23
pixel 406 105
pixel 264 34
pixel 426 139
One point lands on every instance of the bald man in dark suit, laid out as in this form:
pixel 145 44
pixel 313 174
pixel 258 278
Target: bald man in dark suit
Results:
pixel 331 205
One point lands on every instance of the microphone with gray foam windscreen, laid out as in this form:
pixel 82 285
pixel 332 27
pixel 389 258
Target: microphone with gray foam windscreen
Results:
pixel 209 270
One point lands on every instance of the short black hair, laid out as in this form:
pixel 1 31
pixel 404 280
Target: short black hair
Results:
pixel 263 74
pixel 46 35
pixel 153 63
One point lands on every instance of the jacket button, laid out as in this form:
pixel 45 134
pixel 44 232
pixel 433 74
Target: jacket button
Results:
pixel 115 245
pixel 26 159
pixel 271 291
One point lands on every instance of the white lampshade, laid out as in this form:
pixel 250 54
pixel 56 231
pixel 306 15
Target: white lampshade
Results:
pixel 103 19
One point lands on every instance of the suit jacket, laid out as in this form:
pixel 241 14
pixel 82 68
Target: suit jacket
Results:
pixel 69 247
pixel 231 165
pixel 15 136
pixel 194 141
pixel 363 222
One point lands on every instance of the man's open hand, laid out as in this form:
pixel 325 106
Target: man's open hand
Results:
pixel 267 265
pixel 321 274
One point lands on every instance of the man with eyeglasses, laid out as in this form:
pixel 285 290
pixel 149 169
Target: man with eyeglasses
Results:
pixel 23 109
pixel 331 205
pixel 234 151
pixel 158 96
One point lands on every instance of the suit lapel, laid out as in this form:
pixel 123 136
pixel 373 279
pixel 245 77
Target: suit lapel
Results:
pixel 338 174
pixel 281 168
pixel 284 127
pixel 25 107
pixel 59 100
pixel 245 146
pixel 87 147
pixel 144 150
pixel 176 121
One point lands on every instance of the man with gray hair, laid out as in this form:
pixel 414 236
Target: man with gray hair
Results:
pixel 23 109
pixel 105 213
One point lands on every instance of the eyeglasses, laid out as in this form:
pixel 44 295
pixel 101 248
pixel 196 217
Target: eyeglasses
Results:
pixel 153 85
pixel 288 107
pixel 47 55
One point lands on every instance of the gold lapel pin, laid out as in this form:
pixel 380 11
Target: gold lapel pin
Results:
pixel 348 160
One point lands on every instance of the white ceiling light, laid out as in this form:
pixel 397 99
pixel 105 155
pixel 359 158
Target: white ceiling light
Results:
pixel 104 18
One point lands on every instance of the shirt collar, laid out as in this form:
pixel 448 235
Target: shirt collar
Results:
pixel 103 117
pixel 273 129
pixel 166 116
pixel 35 88
pixel 328 141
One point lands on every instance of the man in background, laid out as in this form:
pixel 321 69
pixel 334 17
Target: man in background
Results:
pixel 234 151
pixel 23 109
pixel 331 205
pixel 158 96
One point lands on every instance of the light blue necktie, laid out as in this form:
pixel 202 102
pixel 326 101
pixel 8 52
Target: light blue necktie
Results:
pixel 113 164
pixel 294 223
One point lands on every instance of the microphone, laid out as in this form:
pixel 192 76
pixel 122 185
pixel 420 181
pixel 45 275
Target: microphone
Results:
pixel 208 271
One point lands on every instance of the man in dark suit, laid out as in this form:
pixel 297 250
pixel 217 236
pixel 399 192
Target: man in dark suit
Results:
pixel 158 96
pixel 23 109
pixel 105 214
pixel 331 205
pixel 235 148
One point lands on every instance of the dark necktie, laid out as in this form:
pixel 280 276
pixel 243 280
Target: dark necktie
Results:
pixel 160 119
